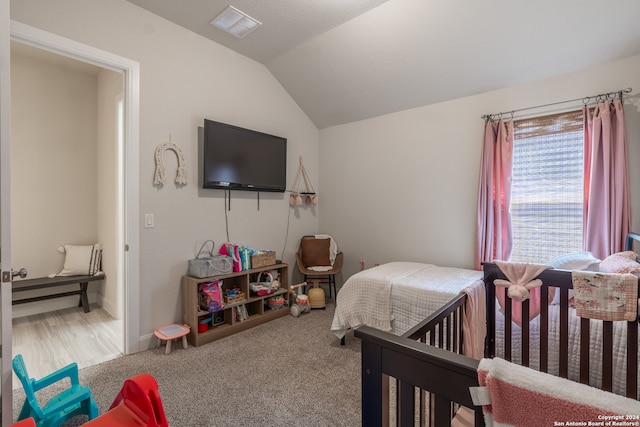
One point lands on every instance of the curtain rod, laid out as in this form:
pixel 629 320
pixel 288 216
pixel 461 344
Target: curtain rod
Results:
pixel 585 100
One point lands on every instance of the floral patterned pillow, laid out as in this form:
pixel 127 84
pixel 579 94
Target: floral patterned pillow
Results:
pixel 621 262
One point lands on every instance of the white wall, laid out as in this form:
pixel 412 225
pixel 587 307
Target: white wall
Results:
pixel 53 186
pixel 404 186
pixel 53 133
pixel 58 106
pixel 110 92
pixel 185 78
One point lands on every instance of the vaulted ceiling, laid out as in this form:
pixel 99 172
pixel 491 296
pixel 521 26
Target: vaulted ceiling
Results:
pixel 348 60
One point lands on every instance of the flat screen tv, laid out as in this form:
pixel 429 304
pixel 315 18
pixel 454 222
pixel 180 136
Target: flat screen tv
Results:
pixel 242 159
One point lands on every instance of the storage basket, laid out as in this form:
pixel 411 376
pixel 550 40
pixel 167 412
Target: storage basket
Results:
pixel 232 297
pixel 209 265
pixel 263 259
pixel 261 288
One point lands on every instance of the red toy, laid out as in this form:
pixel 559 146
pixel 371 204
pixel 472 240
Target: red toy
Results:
pixel 137 404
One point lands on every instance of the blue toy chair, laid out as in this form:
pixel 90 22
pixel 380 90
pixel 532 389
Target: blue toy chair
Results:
pixel 73 401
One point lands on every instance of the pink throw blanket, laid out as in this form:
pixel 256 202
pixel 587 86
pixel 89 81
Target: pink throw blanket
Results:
pixel 474 326
pixel 605 296
pixel 525 397
pixel 521 285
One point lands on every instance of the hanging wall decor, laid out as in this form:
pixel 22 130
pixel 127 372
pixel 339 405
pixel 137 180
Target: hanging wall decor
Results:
pixel 310 196
pixel 181 176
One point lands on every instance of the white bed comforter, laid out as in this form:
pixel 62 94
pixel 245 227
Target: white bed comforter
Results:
pixel 396 296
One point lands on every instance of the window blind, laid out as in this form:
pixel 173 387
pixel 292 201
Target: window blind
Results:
pixel 547 187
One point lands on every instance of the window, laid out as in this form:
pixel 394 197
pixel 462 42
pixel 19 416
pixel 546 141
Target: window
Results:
pixel 547 187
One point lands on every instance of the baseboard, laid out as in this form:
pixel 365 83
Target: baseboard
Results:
pixel 148 341
pixel 108 306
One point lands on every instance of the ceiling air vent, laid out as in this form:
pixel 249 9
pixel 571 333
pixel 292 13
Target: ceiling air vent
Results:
pixel 235 22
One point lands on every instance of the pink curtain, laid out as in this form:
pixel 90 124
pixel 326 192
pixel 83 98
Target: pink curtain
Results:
pixel 607 211
pixel 493 240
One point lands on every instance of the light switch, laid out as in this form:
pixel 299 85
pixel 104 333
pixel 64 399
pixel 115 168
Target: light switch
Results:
pixel 149 221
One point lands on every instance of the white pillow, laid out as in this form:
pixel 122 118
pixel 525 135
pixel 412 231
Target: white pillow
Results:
pixel 81 260
pixel 574 261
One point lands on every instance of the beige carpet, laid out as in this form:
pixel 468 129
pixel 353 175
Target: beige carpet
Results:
pixel 287 372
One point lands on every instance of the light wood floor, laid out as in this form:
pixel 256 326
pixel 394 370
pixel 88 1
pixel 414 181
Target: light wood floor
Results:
pixel 52 340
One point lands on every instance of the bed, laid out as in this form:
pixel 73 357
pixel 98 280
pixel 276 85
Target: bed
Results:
pixel 394 297
pixel 431 382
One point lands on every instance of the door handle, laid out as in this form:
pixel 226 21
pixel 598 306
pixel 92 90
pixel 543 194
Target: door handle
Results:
pixel 22 273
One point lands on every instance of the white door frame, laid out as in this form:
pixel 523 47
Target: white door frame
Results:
pixel 128 264
pixel 5 215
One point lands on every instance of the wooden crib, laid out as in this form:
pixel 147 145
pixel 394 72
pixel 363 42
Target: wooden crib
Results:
pixel 422 378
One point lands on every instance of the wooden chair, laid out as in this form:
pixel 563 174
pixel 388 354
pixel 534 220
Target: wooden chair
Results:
pixel 315 251
pixel 74 400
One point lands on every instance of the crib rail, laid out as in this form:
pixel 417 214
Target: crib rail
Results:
pixel 443 328
pixel 561 280
pixel 418 378
pixel 421 378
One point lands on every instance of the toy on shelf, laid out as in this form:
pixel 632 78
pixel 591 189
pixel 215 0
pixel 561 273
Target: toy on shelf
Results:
pixel 276 302
pixel 234 295
pixel 300 302
pixel 264 285
pixel 211 297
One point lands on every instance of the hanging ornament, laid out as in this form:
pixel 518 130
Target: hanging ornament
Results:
pixel 181 176
pixel 310 196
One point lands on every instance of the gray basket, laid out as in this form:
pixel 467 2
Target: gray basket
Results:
pixel 209 265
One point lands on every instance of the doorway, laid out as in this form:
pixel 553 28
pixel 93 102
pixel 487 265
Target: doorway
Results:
pixel 66 142
pixel 124 277
pixel 128 228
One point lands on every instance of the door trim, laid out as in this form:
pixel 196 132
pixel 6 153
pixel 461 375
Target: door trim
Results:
pixel 128 242
pixel 6 376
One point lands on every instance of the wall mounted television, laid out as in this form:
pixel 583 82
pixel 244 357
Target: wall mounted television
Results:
pixel 242 159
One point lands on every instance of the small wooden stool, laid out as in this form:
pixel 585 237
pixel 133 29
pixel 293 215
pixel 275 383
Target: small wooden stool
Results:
pixel 171 332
